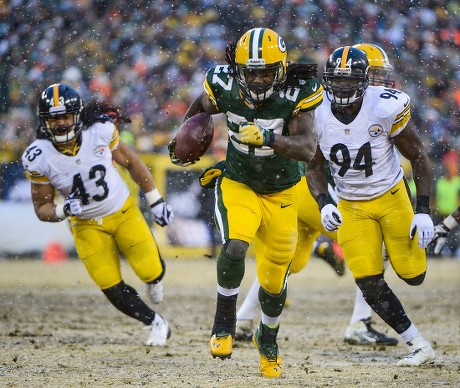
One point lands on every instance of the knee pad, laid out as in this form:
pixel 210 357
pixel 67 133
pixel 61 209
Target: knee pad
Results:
pixel 415 281
pixel 372 286
pixel 230 269
pixel 236 248
pixel 272 305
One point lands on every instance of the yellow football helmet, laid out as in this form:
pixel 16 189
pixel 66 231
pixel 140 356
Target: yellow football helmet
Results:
pixel 380 68
pixel 260 64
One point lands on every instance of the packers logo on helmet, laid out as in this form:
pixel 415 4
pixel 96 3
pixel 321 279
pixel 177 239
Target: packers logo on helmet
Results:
pixel 380 68
pixel 260 64
pixel 346 75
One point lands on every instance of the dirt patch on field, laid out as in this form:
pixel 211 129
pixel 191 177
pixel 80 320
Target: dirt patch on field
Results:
pixel 58 330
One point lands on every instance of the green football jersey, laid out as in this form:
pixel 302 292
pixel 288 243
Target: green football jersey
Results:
pixel 260 168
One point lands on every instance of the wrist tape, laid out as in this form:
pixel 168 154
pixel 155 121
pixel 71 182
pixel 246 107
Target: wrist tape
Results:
pixel 152 197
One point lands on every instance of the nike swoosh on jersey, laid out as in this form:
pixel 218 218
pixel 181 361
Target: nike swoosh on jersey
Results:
pixel 283 205
pixel 394 192
pixel 314 88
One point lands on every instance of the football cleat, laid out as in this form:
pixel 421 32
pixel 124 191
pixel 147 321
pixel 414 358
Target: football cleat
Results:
pixel 421 352
pixel 155 292
pixel 331 253
pixel 244 330
pixel 264 340
pixel 159 332
pixel 362 333
pixel 221 345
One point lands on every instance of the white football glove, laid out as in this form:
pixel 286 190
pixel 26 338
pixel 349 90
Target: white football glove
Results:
pixel 423 225
pixel 331 217
pixel 72 206
pixel 162 212
pixel 440 237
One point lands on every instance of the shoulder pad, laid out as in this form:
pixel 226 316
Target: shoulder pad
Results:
pixel 218 81
pixel 223 71
pixel 311 95
pixel 388 102
pixel 106 132
pixel 33 157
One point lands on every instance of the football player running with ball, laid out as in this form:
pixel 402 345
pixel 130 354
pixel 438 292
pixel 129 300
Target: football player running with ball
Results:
pixel 358 127
pixel 270 127
pixel 74 155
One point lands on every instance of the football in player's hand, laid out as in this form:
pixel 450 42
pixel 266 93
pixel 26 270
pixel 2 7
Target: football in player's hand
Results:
pixel 194 137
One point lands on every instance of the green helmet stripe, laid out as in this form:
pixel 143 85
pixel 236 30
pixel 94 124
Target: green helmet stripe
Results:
pixel 255 43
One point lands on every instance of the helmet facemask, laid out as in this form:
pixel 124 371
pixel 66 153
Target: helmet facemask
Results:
pixel 345 90
pixel 380 76
pixel 62 134
pixel 259 83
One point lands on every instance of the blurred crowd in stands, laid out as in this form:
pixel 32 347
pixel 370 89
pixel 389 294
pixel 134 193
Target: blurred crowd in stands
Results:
pixel 150 57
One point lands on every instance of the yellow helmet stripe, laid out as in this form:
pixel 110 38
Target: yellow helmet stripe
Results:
pixel 343 62
pixel 255 43
pixel 56 94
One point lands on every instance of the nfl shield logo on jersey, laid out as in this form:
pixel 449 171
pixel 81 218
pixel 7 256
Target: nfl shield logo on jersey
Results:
pixel 100 150
pixel 375 130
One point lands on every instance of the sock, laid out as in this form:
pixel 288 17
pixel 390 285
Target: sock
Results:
pixel 271 322
pixel 225 318
pixel 361 309
pixel 410 334
pixel 250 305
pixel 158 319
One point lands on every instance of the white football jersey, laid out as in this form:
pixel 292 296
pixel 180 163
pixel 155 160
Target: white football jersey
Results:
pixel 90 172
pixel 363 161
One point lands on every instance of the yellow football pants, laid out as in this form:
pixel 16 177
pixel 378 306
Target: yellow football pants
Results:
pixel 270 219
pixel 309 226
pixel 99 242
pixel 366 224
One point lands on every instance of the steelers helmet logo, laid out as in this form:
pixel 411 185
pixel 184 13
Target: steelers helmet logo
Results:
pixel 100 151
pixel 375 130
